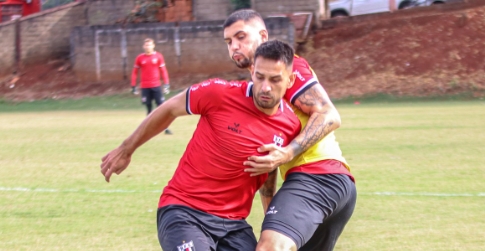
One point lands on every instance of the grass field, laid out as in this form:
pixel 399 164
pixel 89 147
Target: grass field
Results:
pixel 418 165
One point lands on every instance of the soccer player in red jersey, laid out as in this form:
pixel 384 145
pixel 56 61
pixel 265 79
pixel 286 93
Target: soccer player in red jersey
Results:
pixel 205 204
pixel 151 64
pixel 318 196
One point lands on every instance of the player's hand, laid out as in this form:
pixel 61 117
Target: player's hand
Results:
pixel 166 88
pixel 133 90
pixel 265 164
pixel 115 161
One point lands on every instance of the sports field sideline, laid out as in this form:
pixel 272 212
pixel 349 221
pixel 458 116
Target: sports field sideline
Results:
pixel 418 165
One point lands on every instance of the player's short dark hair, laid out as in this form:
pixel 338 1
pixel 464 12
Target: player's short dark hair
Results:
pixel 148 40
pixel 277 51
pixel 244 15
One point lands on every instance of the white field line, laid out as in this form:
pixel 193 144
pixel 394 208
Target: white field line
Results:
pixel 53 190
pixel 423 194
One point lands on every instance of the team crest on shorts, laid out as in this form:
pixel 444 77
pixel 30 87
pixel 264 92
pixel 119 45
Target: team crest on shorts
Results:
pixel 186 246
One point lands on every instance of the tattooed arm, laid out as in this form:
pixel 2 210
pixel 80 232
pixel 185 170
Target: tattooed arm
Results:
pixel 323 119
pixel 268 190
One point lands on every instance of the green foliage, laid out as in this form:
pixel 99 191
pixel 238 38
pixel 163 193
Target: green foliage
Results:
pixel 241 4
pixel 54 3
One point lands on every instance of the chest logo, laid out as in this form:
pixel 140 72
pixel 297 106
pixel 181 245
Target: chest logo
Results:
pixel 278 140
pixel 235 128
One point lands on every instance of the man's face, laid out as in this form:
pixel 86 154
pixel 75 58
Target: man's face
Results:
pixel 149 47
pixel 271 80
pixel 242 39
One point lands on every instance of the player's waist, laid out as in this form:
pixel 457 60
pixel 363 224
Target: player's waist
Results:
pixel 220 210
pixel 150 84
pixel 327 166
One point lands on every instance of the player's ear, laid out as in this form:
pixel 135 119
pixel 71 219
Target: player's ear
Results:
pixel 292 79
pixel 264 35
pixel 251 69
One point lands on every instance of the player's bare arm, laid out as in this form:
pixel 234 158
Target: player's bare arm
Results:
pixel 118 159
pixel 268 190
pixel 323 119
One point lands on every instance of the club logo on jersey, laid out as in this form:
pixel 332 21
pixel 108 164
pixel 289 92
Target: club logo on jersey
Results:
pixel 189 246
pixel 154 60
pixel 234 128
pixel 271 211
pixel 299 76
pixel 278 140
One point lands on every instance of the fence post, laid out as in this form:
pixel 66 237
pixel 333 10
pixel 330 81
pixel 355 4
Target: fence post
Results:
pixel 17 54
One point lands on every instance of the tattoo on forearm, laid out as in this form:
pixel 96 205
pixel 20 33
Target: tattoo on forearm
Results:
pixel 318 125
pixel 316 129
pixel 269 187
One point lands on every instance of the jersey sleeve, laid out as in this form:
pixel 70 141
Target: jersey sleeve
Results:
pixel 304 79
pixel 163 69
pixel 137 62
pixel 134 73
pixel 162 60
pixel 205 97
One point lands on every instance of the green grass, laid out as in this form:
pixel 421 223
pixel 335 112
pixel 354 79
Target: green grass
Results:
pixel 116 102
pixel 409 148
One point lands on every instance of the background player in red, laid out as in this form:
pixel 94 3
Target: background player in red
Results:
pixel 205 204
pixel 151 64
pixel 318 197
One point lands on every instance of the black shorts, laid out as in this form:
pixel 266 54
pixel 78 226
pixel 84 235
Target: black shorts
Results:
pixel 184 228
pixel 148 95
pixel 312 209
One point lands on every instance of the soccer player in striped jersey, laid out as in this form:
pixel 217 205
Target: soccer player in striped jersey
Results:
pixel 318 196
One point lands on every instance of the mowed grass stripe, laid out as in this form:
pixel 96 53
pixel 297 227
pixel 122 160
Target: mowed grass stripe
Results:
pixel 396 150
pixel 114 191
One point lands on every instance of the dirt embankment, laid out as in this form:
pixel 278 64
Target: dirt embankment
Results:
pixel 429 52
pixel 414 54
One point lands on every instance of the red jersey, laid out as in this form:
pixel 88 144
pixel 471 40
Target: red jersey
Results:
pixel 150 66
pixel 210 176
pixel 325 156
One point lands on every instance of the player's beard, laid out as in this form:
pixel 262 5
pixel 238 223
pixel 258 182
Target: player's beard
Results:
pixel 243 64
pixel 266 104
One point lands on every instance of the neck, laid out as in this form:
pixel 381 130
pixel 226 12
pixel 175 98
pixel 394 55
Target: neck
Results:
pixel 149 53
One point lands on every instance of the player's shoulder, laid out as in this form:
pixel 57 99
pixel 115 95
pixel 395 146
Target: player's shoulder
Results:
pixel 223 85
pixel 299 63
